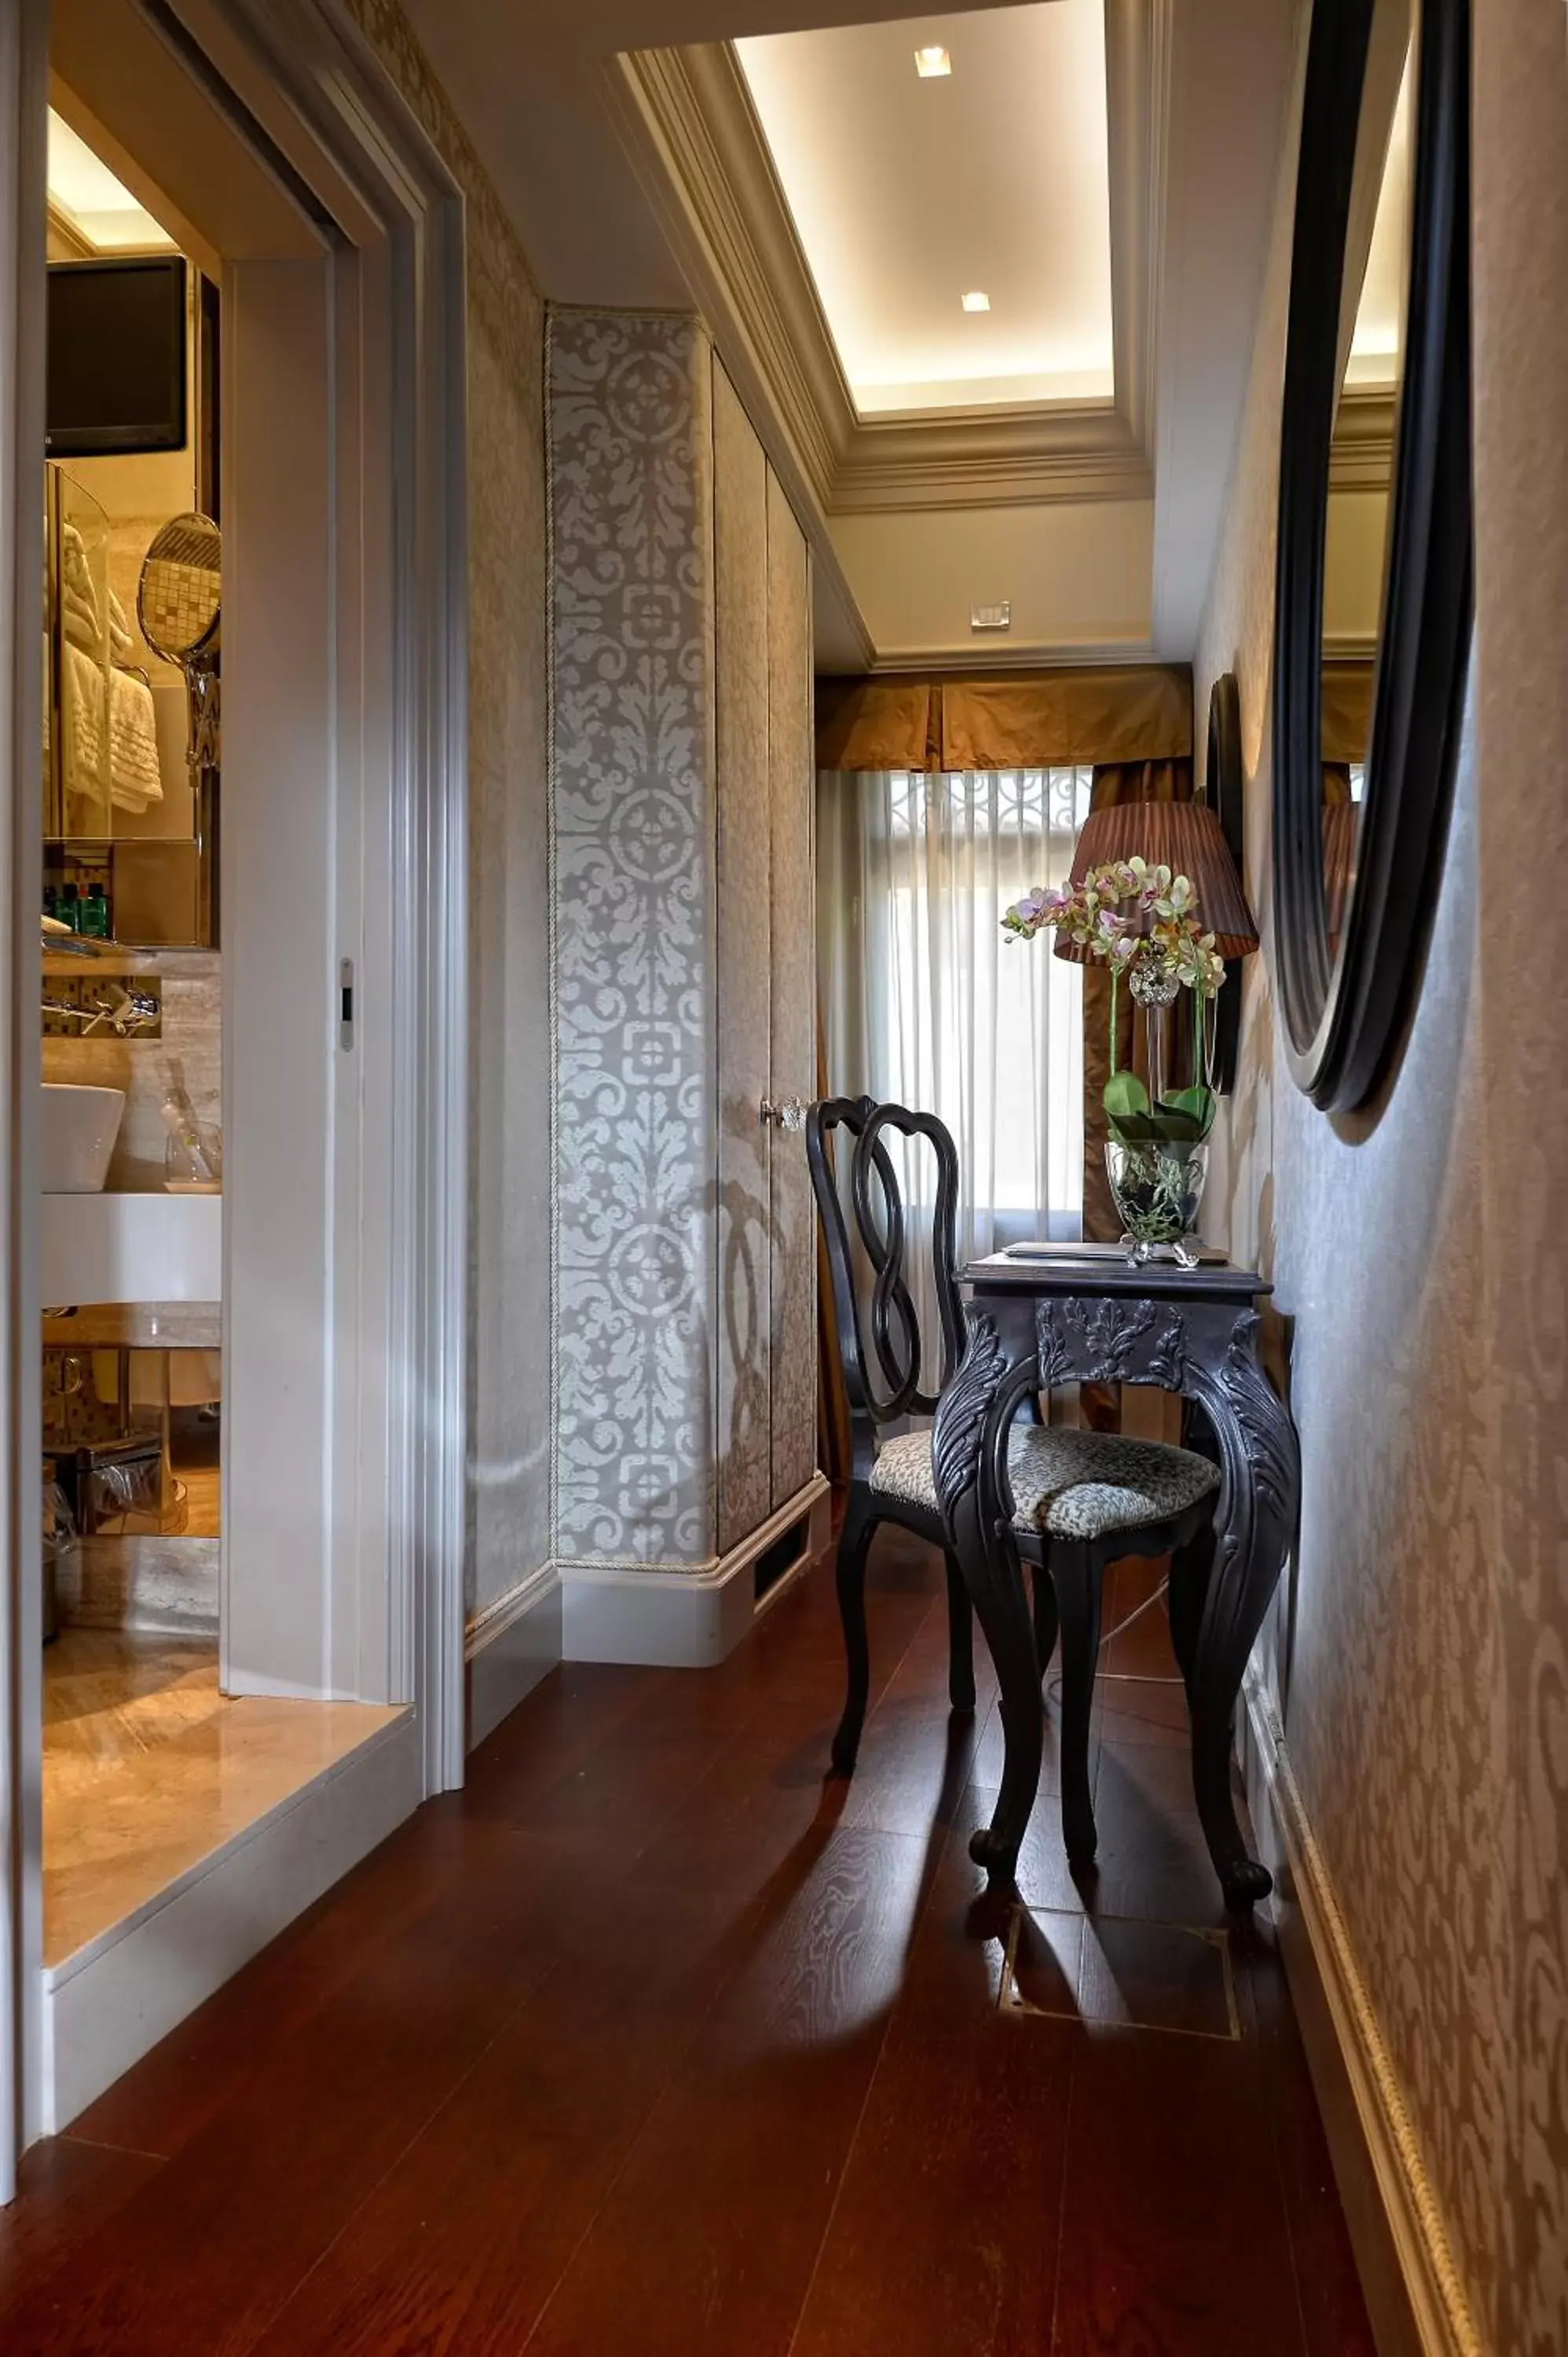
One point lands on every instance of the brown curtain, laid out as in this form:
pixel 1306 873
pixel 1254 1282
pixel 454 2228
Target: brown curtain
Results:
pixel 1346 712
pixel 1140 781
pixel 877 724
pixel 1013 720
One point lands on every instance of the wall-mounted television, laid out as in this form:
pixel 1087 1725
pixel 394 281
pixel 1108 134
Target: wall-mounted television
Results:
pixel 116 356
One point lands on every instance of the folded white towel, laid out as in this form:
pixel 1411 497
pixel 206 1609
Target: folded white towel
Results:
pixel 76 573
pixel 120 639
pixel 80 622
pixel 136 779
pixel 84 697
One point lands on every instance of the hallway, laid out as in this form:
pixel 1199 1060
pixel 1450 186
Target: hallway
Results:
pixel 650 2042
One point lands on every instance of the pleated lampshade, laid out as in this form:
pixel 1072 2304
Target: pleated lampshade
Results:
pixel 1185 837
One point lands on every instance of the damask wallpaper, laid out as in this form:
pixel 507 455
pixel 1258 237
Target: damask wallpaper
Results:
pixel 631 452
pixel 1421 1655
pixel 509 1371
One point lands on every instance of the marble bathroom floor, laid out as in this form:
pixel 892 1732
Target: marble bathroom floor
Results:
pixel 148 1770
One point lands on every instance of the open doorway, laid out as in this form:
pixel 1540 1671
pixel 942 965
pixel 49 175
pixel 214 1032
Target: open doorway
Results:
pixel 240 1562
pixel 153 1774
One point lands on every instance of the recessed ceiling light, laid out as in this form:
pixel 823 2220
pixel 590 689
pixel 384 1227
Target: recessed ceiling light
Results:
pixel 977 302
pixel 932 64
pixel 99 207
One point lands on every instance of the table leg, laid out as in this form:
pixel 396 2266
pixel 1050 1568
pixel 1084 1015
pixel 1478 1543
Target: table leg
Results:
pixel 969 1455
pixel 1259 1502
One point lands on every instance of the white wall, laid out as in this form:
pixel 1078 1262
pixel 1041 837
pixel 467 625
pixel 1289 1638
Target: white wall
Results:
pixel 1077 575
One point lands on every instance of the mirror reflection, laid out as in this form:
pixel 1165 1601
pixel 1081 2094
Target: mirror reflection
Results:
pixel 1371 376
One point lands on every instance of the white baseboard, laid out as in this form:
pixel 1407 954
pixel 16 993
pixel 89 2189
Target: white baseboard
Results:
pixel 683 1619
pixel 509 1647
pixel 106 2006
pixel 1415 2300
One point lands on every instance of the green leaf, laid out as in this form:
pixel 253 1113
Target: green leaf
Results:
pixel 1125 1094
pixel 1198 1104
pixel 1132 1128
pixel 1177 1128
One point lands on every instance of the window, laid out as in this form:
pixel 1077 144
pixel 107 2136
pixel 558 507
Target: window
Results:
pixel 925 998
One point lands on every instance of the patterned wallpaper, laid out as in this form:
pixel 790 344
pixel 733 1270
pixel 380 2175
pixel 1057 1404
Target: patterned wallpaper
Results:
pixel 509 978
pixel 631 453
pixel 1421 1654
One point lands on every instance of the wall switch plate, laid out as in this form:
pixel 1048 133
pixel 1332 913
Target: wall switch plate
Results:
pixel 991 617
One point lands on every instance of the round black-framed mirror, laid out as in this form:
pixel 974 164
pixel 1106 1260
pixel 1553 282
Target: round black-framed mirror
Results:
pixel 1225 787
pixel 1376 411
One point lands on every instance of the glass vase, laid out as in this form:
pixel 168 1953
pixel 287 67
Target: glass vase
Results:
pixel 1157 1188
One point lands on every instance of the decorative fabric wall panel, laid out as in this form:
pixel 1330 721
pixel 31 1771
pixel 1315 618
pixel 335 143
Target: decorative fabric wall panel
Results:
pixel 632 637
pixel 743 1011
pixel 794 1056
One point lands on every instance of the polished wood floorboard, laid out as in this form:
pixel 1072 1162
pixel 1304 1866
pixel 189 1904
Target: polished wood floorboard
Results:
pixel 657 2041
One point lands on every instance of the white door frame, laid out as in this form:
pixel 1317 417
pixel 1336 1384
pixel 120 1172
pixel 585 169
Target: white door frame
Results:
pixel 24 78
pixel 301 81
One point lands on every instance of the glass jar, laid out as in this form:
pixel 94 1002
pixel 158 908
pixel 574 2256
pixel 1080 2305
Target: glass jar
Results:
pixel 1157 1188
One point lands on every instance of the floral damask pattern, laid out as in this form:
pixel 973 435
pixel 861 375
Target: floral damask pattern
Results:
pixel 633 829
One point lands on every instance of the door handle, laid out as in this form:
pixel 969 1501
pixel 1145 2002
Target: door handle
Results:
pixel 788 1113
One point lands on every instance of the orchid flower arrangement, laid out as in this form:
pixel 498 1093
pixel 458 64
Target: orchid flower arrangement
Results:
pixel 1142 923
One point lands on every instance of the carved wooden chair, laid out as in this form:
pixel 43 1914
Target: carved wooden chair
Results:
pixel 1078 1500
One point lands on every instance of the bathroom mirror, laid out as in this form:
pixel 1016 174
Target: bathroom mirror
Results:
pixel 1373 582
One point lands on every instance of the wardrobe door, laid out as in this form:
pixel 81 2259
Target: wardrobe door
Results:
pixel 793 1027
pixel 743 917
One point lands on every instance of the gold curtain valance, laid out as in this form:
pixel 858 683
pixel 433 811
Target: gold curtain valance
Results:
pixel 1347 709
pixel 877 724
pixel 1012 720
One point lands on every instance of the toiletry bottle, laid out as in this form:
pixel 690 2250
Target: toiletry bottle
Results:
pixel 69 912
pixel 92 913
pixel 49 907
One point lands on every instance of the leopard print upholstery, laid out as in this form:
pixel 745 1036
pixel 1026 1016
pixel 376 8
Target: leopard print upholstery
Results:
pixel 1066 1483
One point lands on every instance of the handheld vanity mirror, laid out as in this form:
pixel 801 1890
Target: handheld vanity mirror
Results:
pixel 179 605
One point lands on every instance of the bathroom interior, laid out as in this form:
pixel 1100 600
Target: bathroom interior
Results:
pixel 150 1769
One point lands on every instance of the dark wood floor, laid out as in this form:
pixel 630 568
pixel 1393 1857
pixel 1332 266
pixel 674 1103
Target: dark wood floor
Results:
pixel 652 2042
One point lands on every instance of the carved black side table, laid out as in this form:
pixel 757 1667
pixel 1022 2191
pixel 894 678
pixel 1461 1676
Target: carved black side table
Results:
pixel 1036 1324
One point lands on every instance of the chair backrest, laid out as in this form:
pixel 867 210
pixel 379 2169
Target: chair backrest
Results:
pixel 896 1342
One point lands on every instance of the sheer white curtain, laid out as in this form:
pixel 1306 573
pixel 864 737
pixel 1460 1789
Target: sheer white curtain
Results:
pixel 925 999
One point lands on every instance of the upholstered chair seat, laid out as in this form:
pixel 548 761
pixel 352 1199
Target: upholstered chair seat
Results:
pixel 1069 1484
pixel 1081 1500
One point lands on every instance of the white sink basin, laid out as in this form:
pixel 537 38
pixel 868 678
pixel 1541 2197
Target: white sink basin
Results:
pixel 79 1128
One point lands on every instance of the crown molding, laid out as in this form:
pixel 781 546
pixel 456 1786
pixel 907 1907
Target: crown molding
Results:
pixel 688 119
pixel 1137 98
pixel 66 232
pixel 1088 655
pixel 1361 455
